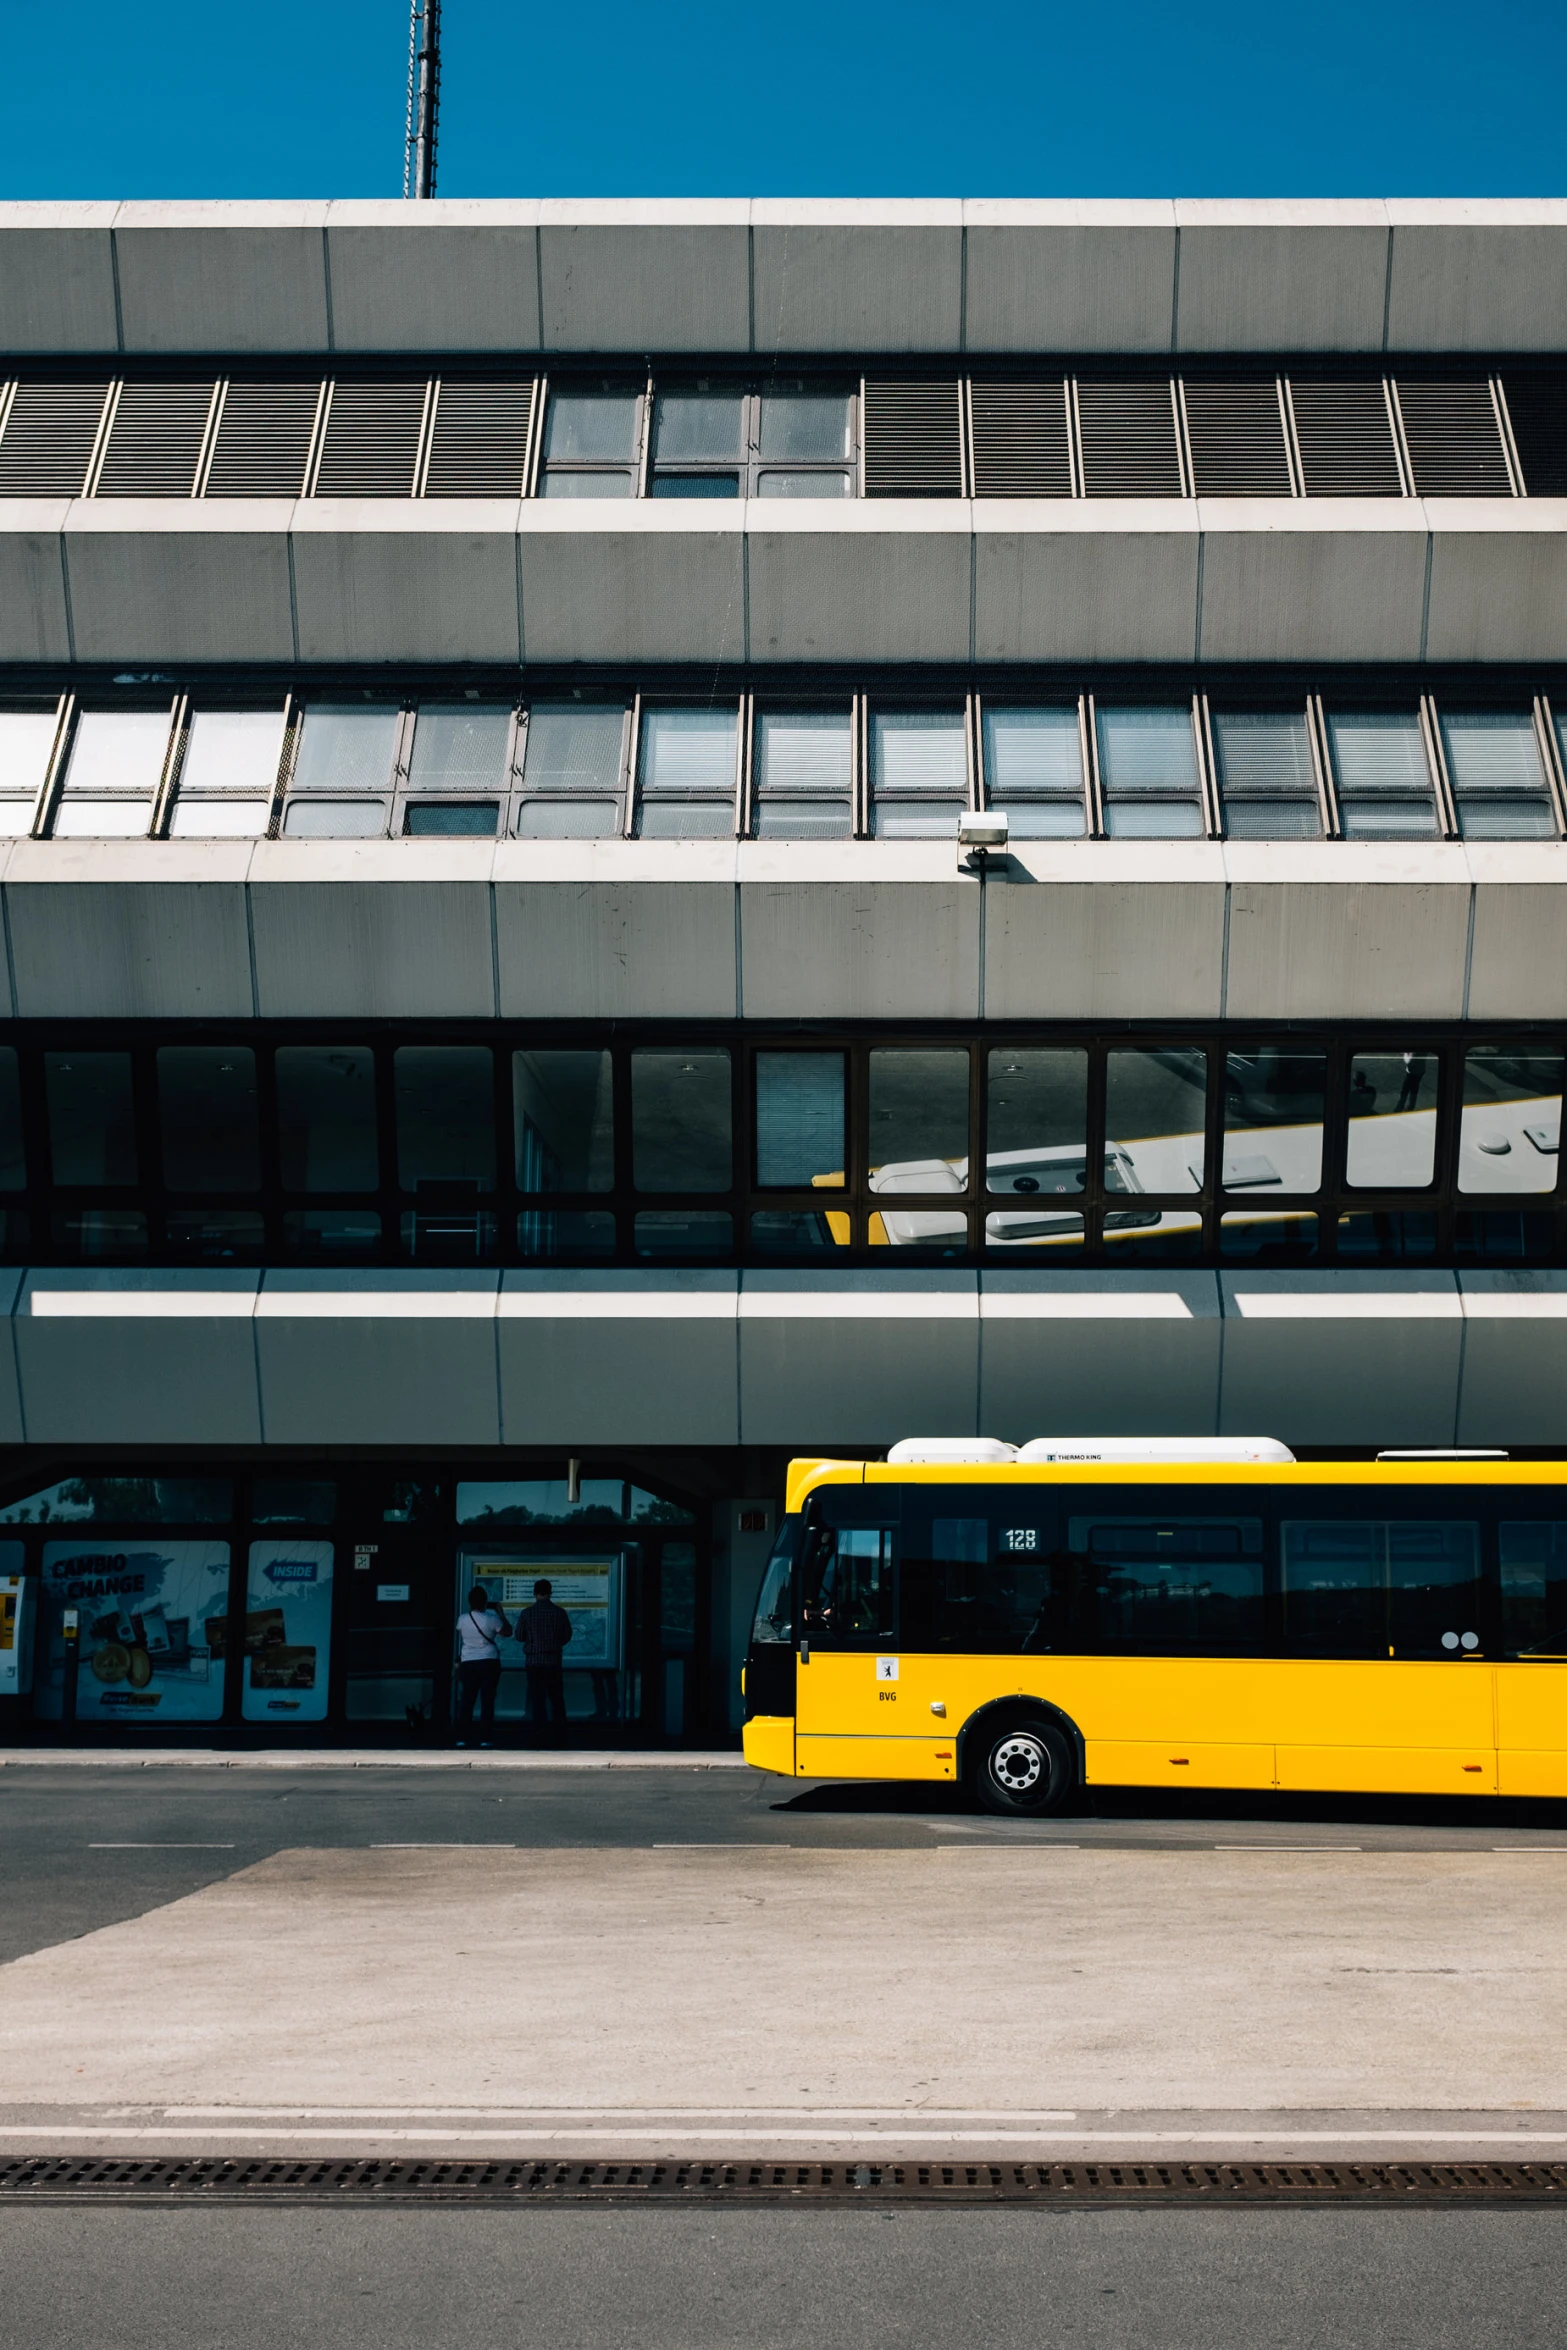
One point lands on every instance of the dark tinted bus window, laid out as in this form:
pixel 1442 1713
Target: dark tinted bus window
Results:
pixel 981 1572
pixel 1375 1587
pixel 1534 1587
pixel 1175 1580
pixel 846 1587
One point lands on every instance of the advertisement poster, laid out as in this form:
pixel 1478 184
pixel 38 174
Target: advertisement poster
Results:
pixel 588 1590
pixel 288 1630
pixel 152 1619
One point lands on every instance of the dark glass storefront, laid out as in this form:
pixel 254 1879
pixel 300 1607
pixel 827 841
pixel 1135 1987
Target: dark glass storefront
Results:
pixel 319 1602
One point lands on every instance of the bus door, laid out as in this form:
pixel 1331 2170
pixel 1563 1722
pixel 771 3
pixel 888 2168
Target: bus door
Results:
pixel 1531 1677
pixel 850 1703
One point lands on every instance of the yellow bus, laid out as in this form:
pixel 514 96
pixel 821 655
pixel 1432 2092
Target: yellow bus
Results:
pixel 1073 1614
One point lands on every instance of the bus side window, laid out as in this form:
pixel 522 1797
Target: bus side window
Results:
pixel 1534 1587
pixel 1171 1581
pixel 847 1590
pixel 1371 1586
pixel 980 1575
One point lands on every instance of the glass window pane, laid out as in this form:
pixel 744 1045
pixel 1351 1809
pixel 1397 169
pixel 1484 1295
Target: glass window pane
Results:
pixel 215 1235
pixel 460 746
pixel 919 751
pixel 566 1232
pixel 805 424
pixel 452 819
pixel 805 751
pixel 1276 1236
pixel 574 747
pixel 794 818
pixel 590 425
pixel 118 751
pixel 568 819
pixel 1384 783
pixel 689 753
pixel 802 485
pixel 1037 1107
pixel 1266 778
pixel 1504 1236
pixel 585 485
pixel 563 1121
pixel 1510 1130
pixel 92 1134
pixel 13 1164
pixel 1273 1119
pixel 680 1120
pixel 1387 1236
pixel 697 424
pixel 232 751
pixel 26 739
pixel 919 1115
pixel 672 819
pixel 1499 786
pixel 207 1114
pixel 1172 1581
pixel 1392 1121
pixel 335 819
pixel 445 1096
pixel 799 1120
pixel 16 819
pixel 219 819
pixel 343 1234
pixel 683 1232
pixel 1147 751
pixel 1155 1112
pixel 1034 769
pixel 102 819
pixel 1534 1586
pixel 346 747
pixel 813 1232
pixel 696 485
pixel 326 1117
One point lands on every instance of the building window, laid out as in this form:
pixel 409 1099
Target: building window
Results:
pixel 341 787
pixel 1511 1125
pixel 459 773
pixel 919 774
pixel 1267 782
pixel 1148 774
pixel 446 1159
pixel 789 441
pixel 112 775
pixel 1382 774
pixel 592 443
pixel 804 786
pixel 1034 769
pixel 1498 782
pixel 227 775
pixel 573 771
pixel 687 777
pixel 26 747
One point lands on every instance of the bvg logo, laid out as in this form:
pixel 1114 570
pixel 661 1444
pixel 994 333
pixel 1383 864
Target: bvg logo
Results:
pixel 887 1670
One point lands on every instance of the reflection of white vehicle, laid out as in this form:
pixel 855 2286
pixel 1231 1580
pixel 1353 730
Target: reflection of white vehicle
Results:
pixel 1047 1179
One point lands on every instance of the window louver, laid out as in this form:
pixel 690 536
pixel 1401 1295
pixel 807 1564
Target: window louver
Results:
pixel 1021 448
pixel 1455 447
pixel 1236 437
pixel 479 441
pixel 49 438
pixel 1537 409
pixel 1345 441
pixel 913 441
pixel 263 440
pixel 155 441
pixel 1129 444
pixel 372 440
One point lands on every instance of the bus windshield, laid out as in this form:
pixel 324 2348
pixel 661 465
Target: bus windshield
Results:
pixel 774 1625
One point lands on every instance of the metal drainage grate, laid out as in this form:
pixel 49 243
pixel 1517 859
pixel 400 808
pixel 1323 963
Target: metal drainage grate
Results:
pixel 66 2178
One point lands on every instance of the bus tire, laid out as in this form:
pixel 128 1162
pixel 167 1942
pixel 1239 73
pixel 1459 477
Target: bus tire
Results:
pixel 1024 1769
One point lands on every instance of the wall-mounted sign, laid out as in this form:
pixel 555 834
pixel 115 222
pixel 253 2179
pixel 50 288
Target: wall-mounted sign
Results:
pixel 153 1623
pixel 288 1630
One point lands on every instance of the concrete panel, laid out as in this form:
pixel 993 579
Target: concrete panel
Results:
pixel 1514 1384
pixel 618 1358
pixel 166 579
pixel 392 579
pixel 857 1357
pixel 224 278
pixel 1498 579
pixel 374 929
pixel 1106 930
pixel 378 1358
pixel 1312 277
pixel 138 1358
pixel 882 580
pixel 884 278
pixel 857 930
pixel 57 277
pixel 1101 1354
pixel 449 275
pixel 1341 1357
pixel 1477 276
pixel 1518 953
pixel 34 623
pixel 1343 930
pixel 612 580
pixel 1069 276
pixel 129 929
pixel 615 929
pixel 663 276
pixel 1324 579
pixel 1104 579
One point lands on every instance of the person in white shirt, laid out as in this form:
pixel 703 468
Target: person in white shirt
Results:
pixel 480 1629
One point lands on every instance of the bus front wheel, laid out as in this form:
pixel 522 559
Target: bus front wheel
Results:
pixel 1024 1770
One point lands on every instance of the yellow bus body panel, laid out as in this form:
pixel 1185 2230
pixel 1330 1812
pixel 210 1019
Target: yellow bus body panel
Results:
pixel 768 1744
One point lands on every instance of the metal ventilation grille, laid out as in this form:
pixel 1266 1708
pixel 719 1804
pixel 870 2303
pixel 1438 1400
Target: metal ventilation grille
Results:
pixel 1454 444
pixel 1021 444
pixel 1537 408
pixel 155 441
pixel 263 440
pixel 1236 437
pixel 913 441
pixel 1345 441
pixel 1129 445
pixel 479 441
pixel 49 438
pixel 372 440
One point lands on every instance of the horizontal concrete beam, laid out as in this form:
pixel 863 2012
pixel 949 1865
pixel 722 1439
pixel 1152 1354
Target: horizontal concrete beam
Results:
pixel 783 930
pixel 803 1359
pixel 768 581
pixel 771 274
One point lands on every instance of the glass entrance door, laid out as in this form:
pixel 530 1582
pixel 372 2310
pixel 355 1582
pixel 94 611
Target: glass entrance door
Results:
pixel 591 1588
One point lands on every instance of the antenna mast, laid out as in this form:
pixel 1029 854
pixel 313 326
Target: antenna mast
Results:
pixel 424 97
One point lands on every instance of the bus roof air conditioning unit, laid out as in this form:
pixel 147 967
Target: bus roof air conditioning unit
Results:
pixel 1155 1448
pixel 951 1450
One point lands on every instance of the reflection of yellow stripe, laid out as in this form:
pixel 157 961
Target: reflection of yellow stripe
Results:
pixel 838 1226
pixel 827 1182
pixel 876 1232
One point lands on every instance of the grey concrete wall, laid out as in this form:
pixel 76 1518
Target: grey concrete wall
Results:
pixel 770 274
pixel 802 1359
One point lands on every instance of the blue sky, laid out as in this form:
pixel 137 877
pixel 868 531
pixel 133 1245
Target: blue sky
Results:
pixel 600 98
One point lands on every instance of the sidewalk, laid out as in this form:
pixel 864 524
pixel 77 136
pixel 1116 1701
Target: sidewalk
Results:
pixel 435 1758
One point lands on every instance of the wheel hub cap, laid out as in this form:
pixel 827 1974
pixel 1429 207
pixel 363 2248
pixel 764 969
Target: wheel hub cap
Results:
pixel 1018 1765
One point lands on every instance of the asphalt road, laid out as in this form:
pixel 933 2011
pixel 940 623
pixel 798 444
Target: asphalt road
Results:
pixel 734 2280
pixel 82 1847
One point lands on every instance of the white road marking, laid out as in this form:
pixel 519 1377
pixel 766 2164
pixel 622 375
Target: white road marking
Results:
pixel 160 1848
pixel 667 2136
